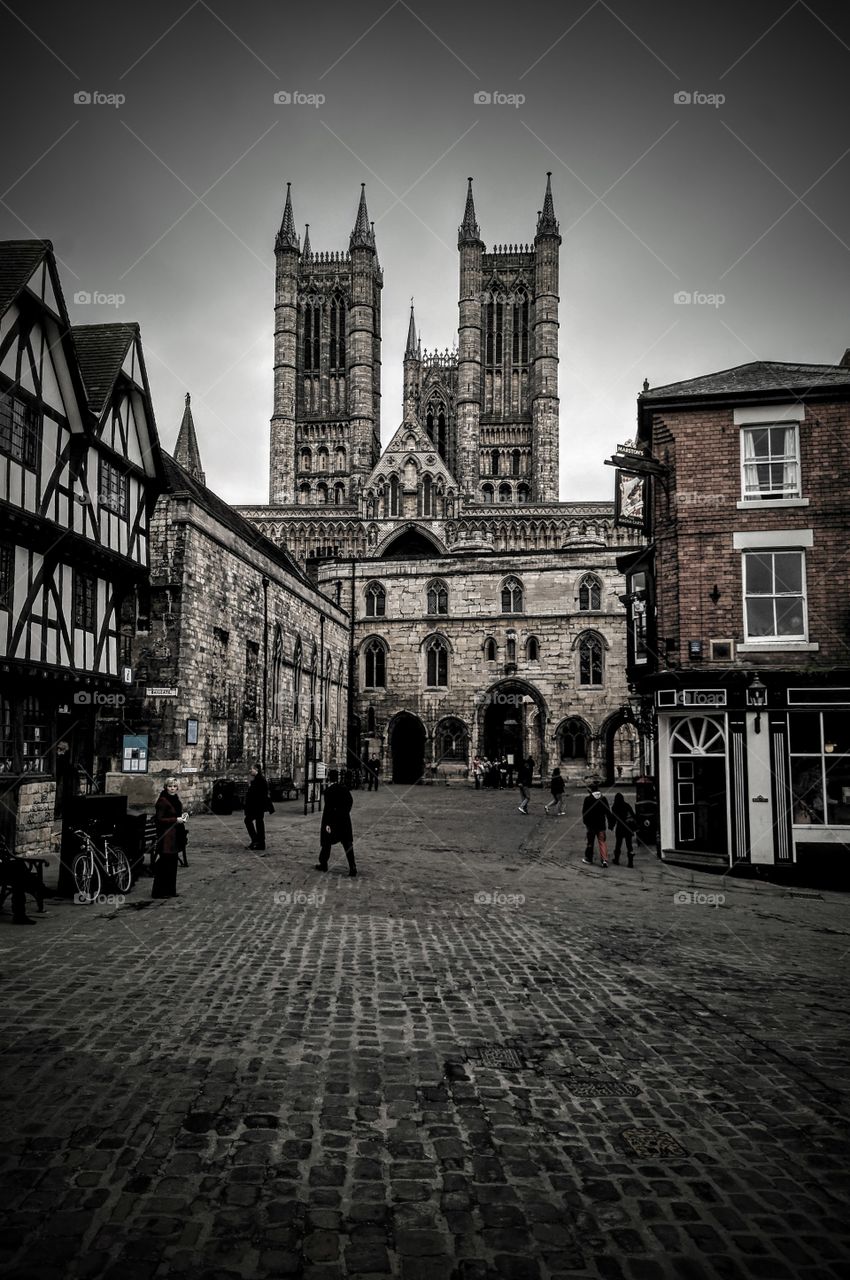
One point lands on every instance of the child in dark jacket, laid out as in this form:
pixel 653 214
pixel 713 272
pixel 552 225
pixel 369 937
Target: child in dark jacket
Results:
pixel 595 815
pixel 558 788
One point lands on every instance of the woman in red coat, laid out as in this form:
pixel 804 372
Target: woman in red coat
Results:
pixel 170 840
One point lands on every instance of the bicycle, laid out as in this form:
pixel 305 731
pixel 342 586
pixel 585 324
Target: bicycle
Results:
pixel 88 864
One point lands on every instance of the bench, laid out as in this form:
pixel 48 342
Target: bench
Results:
pixel 28 872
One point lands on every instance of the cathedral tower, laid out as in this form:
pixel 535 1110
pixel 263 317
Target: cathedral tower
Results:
pixel 325 430
pixel 507 422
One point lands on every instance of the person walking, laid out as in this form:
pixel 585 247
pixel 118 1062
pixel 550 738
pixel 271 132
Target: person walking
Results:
pixel 257 805
pixel 595 815
pixel 525 775
pixel 558 789
pixel 477 770
pixel 170 840
pixel 336 823
pixel 622 822
pixel 376 769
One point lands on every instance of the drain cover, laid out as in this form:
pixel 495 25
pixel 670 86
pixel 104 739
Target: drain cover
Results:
pixel 496 1055
pixel 601 1089
pixel 651 1143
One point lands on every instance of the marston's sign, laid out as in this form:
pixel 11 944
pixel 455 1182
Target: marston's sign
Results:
pixel 160 691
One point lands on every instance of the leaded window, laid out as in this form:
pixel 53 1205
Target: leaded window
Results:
pixel 376 600
pixel 437 663
pixel 19 430
pixel 438 597
pixel 590 594
pixel 512 596
pixel 590 660
pixel 113 488
pixel 85 595
pixel 375 672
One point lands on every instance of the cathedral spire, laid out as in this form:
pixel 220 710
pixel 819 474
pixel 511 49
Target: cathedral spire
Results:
pixel 362 237
pixel 468 232
pixel 186 450
pixel 308 251
pixel 287 237
pixel 410 349
pixel 547 223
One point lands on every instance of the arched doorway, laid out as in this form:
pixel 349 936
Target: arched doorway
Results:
pixel 513 723
pixel 622 749
pixel 698 760
pixel 407 746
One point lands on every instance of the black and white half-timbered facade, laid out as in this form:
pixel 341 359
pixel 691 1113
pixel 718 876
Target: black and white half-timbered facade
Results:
pixel 79 474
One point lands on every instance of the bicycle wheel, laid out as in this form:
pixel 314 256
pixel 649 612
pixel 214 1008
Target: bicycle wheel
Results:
pixel 86 878
pixel 117 866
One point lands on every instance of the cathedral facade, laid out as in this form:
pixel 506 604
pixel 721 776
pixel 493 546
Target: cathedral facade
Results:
pixel 485 613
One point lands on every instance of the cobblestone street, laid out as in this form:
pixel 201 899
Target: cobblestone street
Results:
pixel 480 1058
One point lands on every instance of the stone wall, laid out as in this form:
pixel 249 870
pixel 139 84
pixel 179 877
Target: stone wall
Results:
pixel 36 805
pixel 208 640
pixel 546 689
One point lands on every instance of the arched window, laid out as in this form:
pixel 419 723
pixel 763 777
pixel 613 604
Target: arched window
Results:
pixel 277 671
pixel 337 334
pixel 393 495
pixel 321 493
pixel 512 596
pixel 427 496
pixel 304 493
pixel 452 740
pixel 494 462
pixel 312 329
pixel 297 673
pixel 322 459
pixel 438 597
pixel 375 665
pixel 494 330
pixel 532 649
pixel 590 660
pixel 523 493
pixel 572 739
pixel 314 681
pixel 339 458
pixel 510 649
pixel 376 600
pixel 487 493
pixel 589 593
pixel 504 493
pixel 520 327
pixel 326 696
pixel 339 494
pixel 437 663
pixel 490 652
pixel 516 459
pixel 305 460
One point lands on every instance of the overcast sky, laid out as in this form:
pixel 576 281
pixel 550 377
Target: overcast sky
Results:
pixel 171 199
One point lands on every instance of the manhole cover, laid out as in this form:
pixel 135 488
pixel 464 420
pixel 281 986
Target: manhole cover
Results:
pixel 601 1089
pixel 496 1055
pixel 651 1143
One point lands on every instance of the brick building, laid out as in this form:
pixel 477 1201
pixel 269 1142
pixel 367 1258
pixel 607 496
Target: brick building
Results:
pixel 464 496
pixel 739 631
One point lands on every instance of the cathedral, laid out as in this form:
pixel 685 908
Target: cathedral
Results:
pixel 485 613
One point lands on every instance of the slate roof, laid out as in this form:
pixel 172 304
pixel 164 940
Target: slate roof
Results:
pixel 180 481
pixel 101 349
pixel 18 260
pixel 758 376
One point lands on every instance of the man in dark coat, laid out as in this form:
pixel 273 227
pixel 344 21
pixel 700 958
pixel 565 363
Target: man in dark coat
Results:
pixel 622 822
pixel 256 808
pixel 336 823
pixel 595 815
pixel 170 840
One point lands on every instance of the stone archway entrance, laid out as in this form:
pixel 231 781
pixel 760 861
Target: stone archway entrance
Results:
pixel 513 723
pixel 407 748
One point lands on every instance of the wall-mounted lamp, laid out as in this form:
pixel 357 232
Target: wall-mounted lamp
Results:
pixel 757 697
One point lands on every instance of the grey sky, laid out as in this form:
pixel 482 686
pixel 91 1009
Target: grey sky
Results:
pixel 747 199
